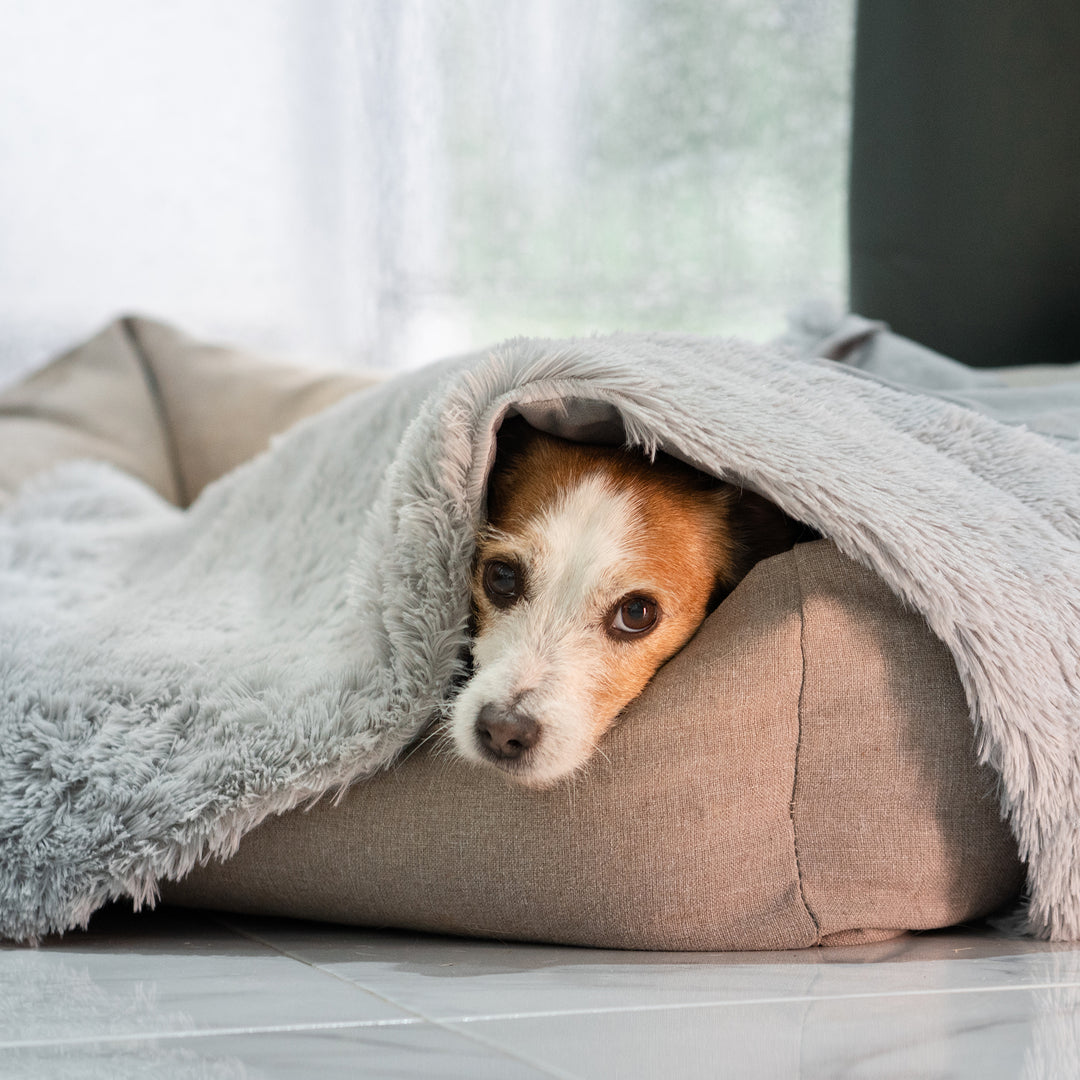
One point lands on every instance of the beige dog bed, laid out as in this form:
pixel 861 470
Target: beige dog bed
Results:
pixel 802 773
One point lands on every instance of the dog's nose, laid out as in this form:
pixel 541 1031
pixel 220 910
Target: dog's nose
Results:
pixel 506 733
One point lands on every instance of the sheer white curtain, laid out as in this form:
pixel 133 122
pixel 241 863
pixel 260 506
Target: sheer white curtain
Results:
pixel 388 181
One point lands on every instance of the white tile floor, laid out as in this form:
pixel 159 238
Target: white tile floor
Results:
pixel 184 994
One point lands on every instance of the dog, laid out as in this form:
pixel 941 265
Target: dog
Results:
pixel 595 566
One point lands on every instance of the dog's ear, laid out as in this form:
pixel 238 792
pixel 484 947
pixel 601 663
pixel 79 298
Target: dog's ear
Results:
pixel 513 439
pixel 512 442
pixel 763 528
pixel 760 530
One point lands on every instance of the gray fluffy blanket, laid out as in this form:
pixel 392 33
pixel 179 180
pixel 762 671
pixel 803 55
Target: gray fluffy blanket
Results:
pixel 169 678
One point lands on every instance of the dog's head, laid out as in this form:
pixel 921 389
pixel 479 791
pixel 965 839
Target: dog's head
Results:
pixel 596 565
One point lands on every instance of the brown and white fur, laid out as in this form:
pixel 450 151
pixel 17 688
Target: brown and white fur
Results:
pixel 596 565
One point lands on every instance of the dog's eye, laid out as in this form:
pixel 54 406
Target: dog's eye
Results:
pixel 502 583
pixel 634 615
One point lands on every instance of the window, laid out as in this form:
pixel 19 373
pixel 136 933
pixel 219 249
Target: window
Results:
pixel 388 181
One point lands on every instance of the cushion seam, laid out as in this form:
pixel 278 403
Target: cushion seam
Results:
pixel 798 747
pixel 153 386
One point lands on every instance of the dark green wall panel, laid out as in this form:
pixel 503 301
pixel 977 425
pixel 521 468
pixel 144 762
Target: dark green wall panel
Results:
pixel 965 176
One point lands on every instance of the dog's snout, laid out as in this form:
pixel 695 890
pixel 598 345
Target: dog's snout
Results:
pixel 506 733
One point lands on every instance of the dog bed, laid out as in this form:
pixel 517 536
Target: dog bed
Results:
pixel 804 772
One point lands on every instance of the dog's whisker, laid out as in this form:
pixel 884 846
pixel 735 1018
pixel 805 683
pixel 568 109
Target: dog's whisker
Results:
pixel 429 736
pixel 443 747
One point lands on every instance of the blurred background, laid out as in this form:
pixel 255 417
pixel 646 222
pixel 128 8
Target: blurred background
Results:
pixel 389 181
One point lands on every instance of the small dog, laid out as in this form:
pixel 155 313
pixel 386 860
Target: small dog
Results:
pixel 596 565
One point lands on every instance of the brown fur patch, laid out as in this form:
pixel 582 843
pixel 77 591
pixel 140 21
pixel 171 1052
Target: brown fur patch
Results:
pixel 696 520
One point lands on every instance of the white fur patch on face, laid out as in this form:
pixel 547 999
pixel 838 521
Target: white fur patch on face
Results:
pixel 581 545
pixel 546 655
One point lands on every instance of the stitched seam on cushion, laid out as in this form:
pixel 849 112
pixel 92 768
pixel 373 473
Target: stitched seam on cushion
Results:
pixel 172 451
pixel 798 744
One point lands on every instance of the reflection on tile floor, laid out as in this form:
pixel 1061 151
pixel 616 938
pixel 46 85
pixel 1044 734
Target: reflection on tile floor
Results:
pixel 179 994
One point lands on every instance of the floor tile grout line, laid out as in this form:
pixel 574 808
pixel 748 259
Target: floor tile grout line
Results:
pixel 209 1033
pixel 794 999
pixel 451 1023
pixel 488 1044
pixel 260 940
pixel 420 1016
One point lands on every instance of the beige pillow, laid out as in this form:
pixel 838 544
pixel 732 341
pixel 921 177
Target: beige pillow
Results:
pixel 93 402
pixel 173 411
pixel 802 773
